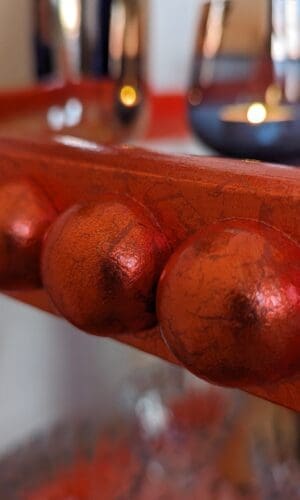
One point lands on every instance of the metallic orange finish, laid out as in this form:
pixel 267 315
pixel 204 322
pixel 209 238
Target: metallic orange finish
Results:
pixel 183 193
pixel 229 304
pixel 25 215
pixel 101 264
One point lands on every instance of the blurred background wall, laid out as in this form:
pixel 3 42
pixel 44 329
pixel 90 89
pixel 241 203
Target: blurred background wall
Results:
pixel 16 26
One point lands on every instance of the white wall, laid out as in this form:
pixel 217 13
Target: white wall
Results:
pixel 172 27
pixel 51 372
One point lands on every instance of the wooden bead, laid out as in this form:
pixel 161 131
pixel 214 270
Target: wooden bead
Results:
pixel 25 215
pixel 101 264
pixel 229 304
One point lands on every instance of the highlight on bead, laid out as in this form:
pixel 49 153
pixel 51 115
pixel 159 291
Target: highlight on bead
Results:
pixel 229 304
pixel 101 264
pixel 25 215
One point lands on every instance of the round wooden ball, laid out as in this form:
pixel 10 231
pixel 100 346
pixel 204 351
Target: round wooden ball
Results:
pixel 229 304
pixel 101 264
pixel 25 215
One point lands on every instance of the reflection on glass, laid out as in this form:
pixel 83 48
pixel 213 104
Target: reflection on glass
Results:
pixel 77 142
pixel 55 118
pixel 73 112
pixel 69 115
pixel 244 98
pixel 117 26
pixel 58 34
pixel 70 16
pixel 69 41
pixel 103 38
pixel 100 38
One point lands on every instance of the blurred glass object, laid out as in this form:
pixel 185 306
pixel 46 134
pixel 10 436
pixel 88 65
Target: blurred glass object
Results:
pixel 92 38
pixel 59 35
pixel 276 451
pixel 70 115
pixel 102 38
pixel 171 438
pixel 244 98
pixel 126 53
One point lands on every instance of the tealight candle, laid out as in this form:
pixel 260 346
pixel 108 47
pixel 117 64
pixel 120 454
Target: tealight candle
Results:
pixel 256 113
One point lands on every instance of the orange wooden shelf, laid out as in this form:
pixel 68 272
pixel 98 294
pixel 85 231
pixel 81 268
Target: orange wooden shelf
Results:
pixel 158 200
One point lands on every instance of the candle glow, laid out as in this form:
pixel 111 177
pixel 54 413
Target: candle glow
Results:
pixel 128 96
pixel 257 113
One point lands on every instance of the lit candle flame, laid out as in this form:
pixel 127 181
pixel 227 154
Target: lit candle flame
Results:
pixel 128 96
pixel 257 113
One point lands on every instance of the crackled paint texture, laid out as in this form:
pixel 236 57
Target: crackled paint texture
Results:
pixel 101 265
pixel 25 215
pixel 229 304
pixel 183 195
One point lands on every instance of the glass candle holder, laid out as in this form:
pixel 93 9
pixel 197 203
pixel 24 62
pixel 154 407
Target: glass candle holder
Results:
pixel 172 436
pixel 244 99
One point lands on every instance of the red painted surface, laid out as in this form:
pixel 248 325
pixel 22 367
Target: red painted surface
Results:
pixel 25 215
pixel 229 304
pixel 101 264
pixel 182 194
